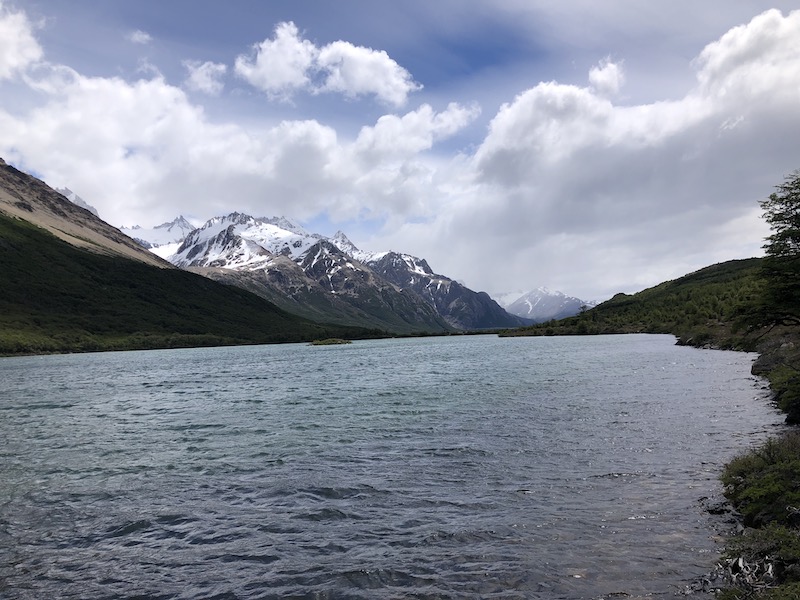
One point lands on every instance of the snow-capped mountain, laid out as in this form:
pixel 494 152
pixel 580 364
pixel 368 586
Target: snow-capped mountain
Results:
pixel 75 199
pixel 460 306
pixel 240 241
pixel 302 272
pixel 163 239
pixel 330 278
pixel 542 305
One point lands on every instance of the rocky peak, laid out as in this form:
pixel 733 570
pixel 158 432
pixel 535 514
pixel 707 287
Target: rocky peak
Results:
pixel 179 223
pixel 344 244
pixel 285 223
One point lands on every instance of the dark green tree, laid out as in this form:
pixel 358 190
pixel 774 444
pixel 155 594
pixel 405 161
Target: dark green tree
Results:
pixel 782 260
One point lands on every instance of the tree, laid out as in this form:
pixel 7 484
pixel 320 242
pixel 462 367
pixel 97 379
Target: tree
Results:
pixel 782 260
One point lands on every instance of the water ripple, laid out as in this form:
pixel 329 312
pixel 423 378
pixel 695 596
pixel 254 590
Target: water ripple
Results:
pixel 472 467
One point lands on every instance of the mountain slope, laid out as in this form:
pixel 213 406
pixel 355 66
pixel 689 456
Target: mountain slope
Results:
pixel 460 306
pixel 30 199
pixel 85 286
pixel 58 298
pixel 343 285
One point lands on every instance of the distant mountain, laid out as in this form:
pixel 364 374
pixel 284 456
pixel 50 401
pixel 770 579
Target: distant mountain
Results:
pixel 71 282
pixel 75 199
pixel 542 305
pixel 165 234
pixel 331 279
pixel 460 306
pixel 702 308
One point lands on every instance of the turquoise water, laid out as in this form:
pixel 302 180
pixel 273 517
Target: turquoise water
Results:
pixel 461 467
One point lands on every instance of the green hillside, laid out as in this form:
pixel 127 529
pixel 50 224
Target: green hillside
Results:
pixel 57 298
pixel 704 307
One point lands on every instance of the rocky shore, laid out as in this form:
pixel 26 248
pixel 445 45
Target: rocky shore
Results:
pixel 762 560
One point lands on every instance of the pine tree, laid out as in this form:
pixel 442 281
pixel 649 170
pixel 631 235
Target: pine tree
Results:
pixel 782 260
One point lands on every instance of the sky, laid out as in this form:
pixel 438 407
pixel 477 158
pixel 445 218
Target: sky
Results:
pixel 587 147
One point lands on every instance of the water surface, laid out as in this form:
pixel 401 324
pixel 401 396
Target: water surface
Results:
pixel 462 467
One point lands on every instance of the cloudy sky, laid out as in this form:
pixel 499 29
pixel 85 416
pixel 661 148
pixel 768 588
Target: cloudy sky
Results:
pixel 590 147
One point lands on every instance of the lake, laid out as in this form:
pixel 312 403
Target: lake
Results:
pixel 449 467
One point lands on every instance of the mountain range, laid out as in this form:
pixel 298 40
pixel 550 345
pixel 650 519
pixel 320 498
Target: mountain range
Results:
pixel 263 256
pixel 321 279
pixel 325 279
pixel 71 282
pixel 165 236
pixel 542 305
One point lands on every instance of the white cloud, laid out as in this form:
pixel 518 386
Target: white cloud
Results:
pixel 18 46
pixel 394 137
pixel 278 66
pixel 607 77
pixel 143 148
pixel 753 62
pixel 140 37
pixel 355 71
pixel 389 174
pixel 49 79
pixel 286 63
pixel 205 77
pixel 570 187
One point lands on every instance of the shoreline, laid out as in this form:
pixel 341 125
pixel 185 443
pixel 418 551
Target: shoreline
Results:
pixel 761 558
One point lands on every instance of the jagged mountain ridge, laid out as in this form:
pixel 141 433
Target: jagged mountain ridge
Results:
pixel 543 305
pixel 382 285
pixel 302 272
pixel 172 232
pixel 462 307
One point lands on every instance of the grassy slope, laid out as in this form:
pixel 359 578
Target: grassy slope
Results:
pixel 57 298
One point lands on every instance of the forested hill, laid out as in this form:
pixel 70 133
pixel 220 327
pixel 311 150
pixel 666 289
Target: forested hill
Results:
pixel 704 307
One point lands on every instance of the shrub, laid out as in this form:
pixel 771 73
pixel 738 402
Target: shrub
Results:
pixel 764 484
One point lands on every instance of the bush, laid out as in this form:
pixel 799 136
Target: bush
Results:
pixel 764 484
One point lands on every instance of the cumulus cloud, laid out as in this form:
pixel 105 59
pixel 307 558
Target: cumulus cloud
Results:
pixel 569 187
pixel 404 136
pixel 655 186
pixel 355 71
pixel 286 63
pixel 140 37
pixel 143 148
pixel 278 66
pixel 18 46
pixel 390 176
pixel 753 62
pixel 607 77
pixel 205 77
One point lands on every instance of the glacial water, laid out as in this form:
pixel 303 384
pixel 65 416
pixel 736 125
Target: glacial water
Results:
pixel 462 467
